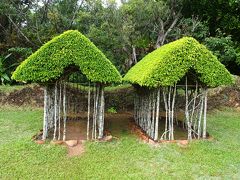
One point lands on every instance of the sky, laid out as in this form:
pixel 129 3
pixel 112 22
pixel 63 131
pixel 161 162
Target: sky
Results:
pixel 119 2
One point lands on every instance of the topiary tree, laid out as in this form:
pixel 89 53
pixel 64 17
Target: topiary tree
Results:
pixel 166 68
pixel 54 62
pixel 68 49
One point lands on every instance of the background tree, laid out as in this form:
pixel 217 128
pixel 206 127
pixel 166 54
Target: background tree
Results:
pixel 126 32
pixel 222 17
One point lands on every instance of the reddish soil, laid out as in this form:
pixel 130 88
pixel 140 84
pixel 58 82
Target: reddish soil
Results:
pixel 76 150
pixel 115 125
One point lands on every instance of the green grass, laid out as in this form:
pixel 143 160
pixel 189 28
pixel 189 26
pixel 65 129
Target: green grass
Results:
pixel 9 89
pixel 18 122
pixel 118 87
pixel 126 158
pixel 106 89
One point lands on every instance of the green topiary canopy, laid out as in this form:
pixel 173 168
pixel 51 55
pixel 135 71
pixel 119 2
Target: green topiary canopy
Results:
pixel 168 64
pixel 68 49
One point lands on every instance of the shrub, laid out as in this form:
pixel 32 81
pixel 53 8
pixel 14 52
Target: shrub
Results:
pixel 112 110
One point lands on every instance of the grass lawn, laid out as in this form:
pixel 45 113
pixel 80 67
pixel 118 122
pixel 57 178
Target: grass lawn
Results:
pixel 127 158
pixel 9 89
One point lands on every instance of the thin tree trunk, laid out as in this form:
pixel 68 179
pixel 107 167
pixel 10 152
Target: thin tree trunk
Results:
pixel 187 113
pixel 134 55
pixel 148 119
pixel 157 116
pixel 200 118
pixel 64 112
pixel 135 108
pixel 166 111
pixel 55 112
pixel 194 105
pixel 173 104
pixel 97 112
pixel 205 115
pixel 153 114
pixel 141 113
pixel 59 111
pixel 94 111
pixel 89 106
pixel 101 113
pixel 49 107
pixel 45 116
pixel 169 114
pixel 51 112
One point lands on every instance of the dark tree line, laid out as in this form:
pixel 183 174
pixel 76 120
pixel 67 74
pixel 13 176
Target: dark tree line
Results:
pixel 125 33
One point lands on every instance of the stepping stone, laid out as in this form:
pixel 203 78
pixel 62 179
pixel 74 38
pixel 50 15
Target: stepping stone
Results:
pixel 107 138
pixel 56 142
pixel 71 143
pixel 40 141
pixel 152 142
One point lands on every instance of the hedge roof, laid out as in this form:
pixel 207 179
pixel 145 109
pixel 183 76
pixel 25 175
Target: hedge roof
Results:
pixel 169 63
pixel 70 48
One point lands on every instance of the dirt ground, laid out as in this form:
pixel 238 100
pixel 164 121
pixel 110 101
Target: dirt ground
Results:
pixel 116 124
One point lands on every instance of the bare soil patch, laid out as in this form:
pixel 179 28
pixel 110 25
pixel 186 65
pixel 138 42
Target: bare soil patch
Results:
pixel 115 125
pixel 75 150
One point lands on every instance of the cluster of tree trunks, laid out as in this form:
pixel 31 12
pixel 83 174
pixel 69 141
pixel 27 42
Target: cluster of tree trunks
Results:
pixel 169 97
pixel 57 109
pixel 146 111
pixel 196 111
pixel 147 104
pixel 98 112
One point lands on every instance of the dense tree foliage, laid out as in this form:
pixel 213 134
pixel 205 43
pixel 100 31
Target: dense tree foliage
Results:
pixel 124 32
pixel 219 14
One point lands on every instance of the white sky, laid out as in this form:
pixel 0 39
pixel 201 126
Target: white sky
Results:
pixel 119 2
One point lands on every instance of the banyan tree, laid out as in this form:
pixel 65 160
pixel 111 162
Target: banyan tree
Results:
pixel 60 66
pixel 171 84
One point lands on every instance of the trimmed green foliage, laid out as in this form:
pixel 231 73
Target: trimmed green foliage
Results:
pixel 70 48
pixel 168 64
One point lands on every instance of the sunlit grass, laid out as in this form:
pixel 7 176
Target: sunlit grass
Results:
pixel 9 89
pixel 126 158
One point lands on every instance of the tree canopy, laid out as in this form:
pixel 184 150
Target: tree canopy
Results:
pixel 70 48
pixel 168 64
